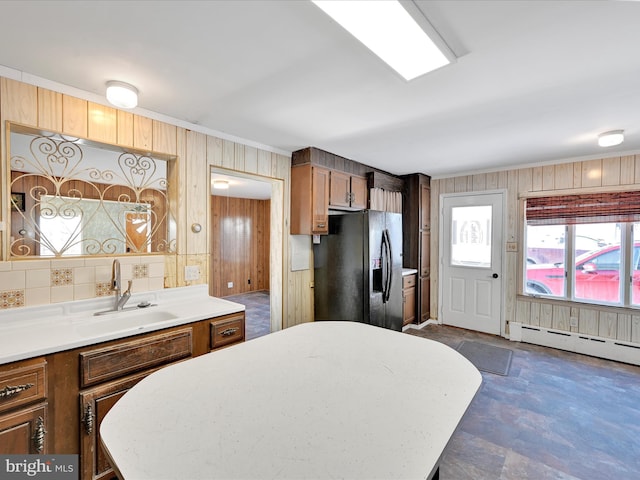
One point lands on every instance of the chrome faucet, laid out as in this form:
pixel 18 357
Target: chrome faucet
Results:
pixel 116 286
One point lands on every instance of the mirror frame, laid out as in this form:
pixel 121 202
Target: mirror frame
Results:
pixel 10 198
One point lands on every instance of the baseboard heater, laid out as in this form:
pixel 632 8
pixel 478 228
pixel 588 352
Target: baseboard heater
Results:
pixel 576 342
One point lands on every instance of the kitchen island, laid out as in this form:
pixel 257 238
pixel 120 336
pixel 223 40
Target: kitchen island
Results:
pixel 318 400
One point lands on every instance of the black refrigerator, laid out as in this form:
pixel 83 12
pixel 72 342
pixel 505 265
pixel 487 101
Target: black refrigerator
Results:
pixel 358 269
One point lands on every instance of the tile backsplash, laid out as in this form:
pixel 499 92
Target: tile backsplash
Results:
pixel 39 282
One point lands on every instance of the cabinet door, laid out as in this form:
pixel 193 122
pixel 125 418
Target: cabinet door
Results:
pixel 409 305
pixel 24 431
pixel 359 192
pixel 340 189
pixel 320 201
pixel 94 405
pixel 425 239
pixel 424 298
pixel 425 208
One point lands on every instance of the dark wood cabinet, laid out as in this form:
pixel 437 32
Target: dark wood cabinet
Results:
pixel 23 407
pixel 55 403
pixel 408 299
pixel 416 227
pixel 94 405
pixel 24 431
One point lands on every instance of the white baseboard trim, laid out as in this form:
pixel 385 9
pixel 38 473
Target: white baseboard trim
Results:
pixel 418 326
pixel 593 345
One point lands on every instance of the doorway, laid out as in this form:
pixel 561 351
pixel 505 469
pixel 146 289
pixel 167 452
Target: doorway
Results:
pixel 241 244
pixel 472 249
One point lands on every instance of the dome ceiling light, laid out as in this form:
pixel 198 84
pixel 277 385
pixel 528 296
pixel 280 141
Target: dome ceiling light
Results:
pixel 221 184
pixel 121 94
pixel 611 139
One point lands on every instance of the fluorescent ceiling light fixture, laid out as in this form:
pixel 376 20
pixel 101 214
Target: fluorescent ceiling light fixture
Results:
pixel 611 139
pixel 122 95
pixel 389 31
pixel 221 184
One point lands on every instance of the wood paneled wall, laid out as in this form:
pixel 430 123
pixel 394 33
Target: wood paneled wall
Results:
pixel 240 245
pixel 605 174
pixel 291 299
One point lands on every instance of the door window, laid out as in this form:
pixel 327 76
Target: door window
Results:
pixel 471 236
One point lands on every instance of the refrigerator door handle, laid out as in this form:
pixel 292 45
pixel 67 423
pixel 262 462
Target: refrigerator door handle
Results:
pixel 386 259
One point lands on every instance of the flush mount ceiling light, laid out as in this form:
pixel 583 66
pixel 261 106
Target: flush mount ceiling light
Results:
pixel 122 95
pixel 392 33
pixel 611 139
pixel 221 184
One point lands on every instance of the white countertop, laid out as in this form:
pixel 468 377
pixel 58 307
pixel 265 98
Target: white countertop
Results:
pixel 32 331
pixel 317 401
pixel 409 271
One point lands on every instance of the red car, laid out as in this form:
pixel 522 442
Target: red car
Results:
pixel 597 276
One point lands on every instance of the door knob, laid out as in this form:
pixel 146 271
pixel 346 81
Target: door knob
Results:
pixel 495 275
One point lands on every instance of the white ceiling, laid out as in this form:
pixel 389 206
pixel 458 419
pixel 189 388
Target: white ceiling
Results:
pixel 535 81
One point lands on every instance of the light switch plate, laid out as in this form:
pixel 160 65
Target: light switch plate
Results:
pixel 191 272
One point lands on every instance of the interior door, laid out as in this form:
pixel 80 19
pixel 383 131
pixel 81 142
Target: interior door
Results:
pixel 472 239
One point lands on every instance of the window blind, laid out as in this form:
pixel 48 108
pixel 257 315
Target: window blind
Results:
pixel 586 208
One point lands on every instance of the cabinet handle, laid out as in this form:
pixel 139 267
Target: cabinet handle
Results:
pixel 38 435
pixel 321 225
pixel 228 332
pixel 87 419
pixel 9 391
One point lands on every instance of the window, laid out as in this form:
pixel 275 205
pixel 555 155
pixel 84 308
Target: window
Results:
pixel 584 248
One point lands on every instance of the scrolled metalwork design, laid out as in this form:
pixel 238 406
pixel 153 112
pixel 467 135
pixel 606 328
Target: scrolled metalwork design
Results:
pixel 74 207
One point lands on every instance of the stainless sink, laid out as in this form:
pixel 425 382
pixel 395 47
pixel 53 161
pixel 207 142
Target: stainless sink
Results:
pixel 122 321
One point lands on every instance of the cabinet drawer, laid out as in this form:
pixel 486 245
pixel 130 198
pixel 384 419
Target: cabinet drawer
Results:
pixel 23 383
pixel 115 361
pixel 225 332
pixel 408 281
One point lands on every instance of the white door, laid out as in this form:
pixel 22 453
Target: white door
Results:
pixel 471 278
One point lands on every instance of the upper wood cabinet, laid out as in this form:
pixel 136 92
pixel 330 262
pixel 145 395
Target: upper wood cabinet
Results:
pixel 347 191
pixel 309 200
pixel 321 181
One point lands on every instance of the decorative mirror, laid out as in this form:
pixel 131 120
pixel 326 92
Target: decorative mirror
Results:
pixel 73 197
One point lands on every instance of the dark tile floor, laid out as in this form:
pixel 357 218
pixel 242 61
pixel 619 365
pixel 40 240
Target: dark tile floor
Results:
pixel 557 415
pixel 257 312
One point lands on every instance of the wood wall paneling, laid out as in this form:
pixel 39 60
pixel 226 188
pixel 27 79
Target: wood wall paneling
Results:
pixel 19 102
pixel 611 171
pixel 240 244
pixel 102 123
pixel 75 116
pixel 142 132
pixel 49 110
pixel 124 133
pixel 599 174
pixel 198 186
pixel 164 137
